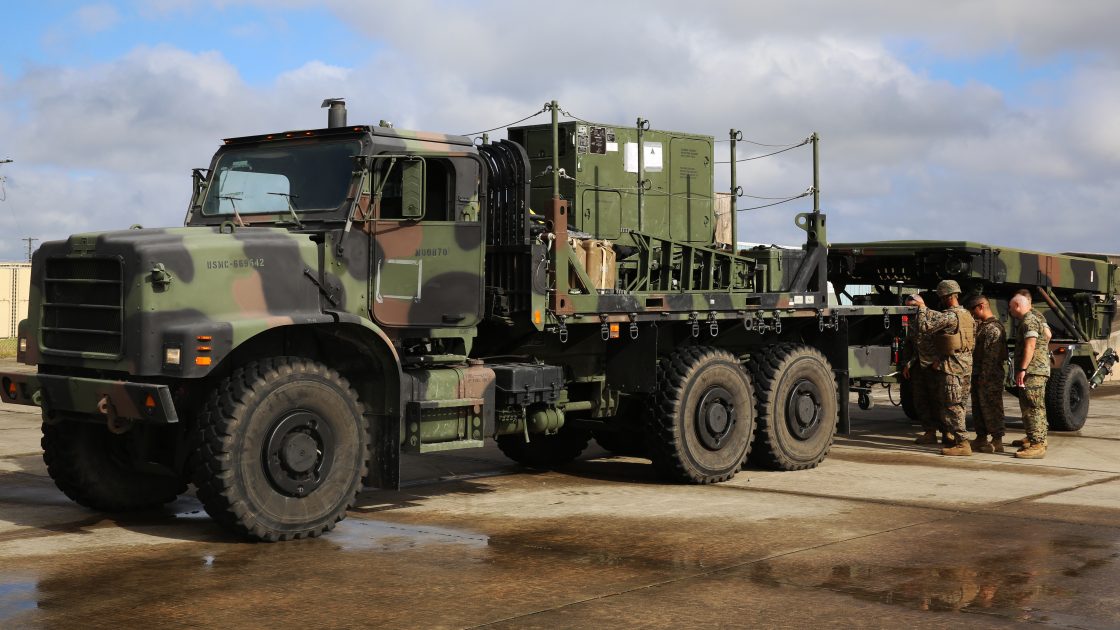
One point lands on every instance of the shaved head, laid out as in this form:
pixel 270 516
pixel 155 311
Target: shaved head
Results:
pixel 1018 306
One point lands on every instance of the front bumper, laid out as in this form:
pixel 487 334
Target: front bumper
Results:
pixel 145 402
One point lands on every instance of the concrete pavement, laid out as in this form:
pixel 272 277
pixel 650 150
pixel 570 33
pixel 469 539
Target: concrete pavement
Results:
pixel 883 534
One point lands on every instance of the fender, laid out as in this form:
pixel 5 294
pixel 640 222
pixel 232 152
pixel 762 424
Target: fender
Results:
pixel 385 424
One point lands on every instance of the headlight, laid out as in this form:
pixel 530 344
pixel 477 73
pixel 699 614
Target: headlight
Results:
pixel 172 356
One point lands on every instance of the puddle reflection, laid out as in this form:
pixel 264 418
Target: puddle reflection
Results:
pixel 1014 584
pixel 17 597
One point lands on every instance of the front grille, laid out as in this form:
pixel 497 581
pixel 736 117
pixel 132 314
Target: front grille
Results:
pixel 82 306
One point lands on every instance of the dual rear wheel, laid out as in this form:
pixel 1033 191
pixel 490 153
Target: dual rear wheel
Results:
pixel 710 414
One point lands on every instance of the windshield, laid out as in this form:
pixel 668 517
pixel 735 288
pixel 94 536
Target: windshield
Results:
pixel 282 179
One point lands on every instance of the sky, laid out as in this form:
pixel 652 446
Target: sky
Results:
pixel 988 120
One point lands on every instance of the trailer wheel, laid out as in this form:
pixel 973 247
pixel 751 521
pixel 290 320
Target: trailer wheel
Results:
pixel 703 416
pixel 283 449
pixel 797 407
pixel 94 468
pixel 545 451
pixel 1067 399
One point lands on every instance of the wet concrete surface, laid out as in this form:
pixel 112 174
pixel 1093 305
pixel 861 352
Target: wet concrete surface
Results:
pixel 883 534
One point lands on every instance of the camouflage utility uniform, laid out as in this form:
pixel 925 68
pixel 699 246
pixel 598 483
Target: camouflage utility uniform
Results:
pixel 924 385
pixel 1032 400
pixel 988 374
pixel 953 369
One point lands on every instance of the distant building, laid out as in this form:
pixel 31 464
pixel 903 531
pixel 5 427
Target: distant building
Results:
pixel 15 285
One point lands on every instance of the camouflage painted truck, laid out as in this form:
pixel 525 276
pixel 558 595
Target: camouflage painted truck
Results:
pixel 341 296
pixel 1075 292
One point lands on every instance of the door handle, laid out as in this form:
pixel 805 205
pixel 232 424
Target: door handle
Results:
pixel 453 319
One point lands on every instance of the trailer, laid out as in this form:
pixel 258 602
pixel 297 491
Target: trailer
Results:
pixel 1076 293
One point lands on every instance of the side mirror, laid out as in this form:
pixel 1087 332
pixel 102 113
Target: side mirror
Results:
pixel 412 188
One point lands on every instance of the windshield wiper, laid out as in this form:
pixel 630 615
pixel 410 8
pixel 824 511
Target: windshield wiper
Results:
pixel 233 198
pixel 291 207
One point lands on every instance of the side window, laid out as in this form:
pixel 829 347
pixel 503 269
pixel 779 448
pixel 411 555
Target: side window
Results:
pixel 440 191
pixel 395 186
pixel 388 182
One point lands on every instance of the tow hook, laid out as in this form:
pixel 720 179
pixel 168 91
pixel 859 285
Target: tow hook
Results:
pixel 114 423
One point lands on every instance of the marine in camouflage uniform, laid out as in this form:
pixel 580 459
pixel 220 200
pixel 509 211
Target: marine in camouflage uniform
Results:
pixel 920 356
pixel 954 330
pixel 989 358
pixel 1032 373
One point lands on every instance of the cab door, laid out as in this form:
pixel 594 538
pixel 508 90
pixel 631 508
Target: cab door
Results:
pixel 428 243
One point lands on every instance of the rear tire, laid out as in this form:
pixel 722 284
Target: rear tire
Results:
pixel 797 407
pixel 1067 399
pixel 545 451
pixel 95 469
pixel 703 417
pixel 284 447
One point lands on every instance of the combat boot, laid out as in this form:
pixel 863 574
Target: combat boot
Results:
pixel 929 437
pixel 1036 450
pixel 1021 443
pixel 960 449
pixel 947 439
pixel 980 443
pixel 995 446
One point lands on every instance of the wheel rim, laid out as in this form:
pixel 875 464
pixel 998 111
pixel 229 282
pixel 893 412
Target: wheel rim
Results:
pixel 803 409
pixel 715 418
pixel 1076 393
pixel 298 453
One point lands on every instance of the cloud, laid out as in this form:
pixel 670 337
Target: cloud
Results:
pixel 95 18
pixel 83 22
pixel 903 154
pixel 315 72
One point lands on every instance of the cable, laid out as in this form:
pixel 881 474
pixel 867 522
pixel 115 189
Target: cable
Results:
pixel 573 116
pixel 804 194
pixel 765 198
pixel 537 113
pixel 756 157
pixel 763 144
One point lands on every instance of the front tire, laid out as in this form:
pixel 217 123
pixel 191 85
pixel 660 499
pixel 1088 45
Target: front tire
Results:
pixel 1067 399
pixel 95 469
pixel 703 416
pixel 284 446
pixel 797 407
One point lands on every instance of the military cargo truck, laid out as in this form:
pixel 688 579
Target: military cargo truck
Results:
pixel 1076 293
pixel 340 296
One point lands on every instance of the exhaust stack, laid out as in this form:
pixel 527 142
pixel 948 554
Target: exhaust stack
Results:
pixel 336 115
